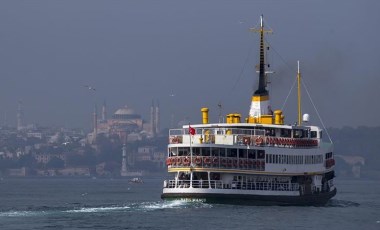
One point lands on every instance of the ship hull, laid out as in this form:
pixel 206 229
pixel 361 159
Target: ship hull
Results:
pixel 319 199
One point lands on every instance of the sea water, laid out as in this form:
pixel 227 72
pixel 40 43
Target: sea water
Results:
pixel 89 203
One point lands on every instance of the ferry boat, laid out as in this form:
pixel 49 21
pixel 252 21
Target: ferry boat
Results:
pixel 258 161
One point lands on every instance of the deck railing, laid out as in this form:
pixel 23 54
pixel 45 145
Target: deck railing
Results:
pixel 218 184
pixel 244 137
pixel 216 162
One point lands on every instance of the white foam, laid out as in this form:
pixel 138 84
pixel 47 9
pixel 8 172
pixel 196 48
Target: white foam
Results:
pixel 19 213
pixel 98 209
pixel 182 203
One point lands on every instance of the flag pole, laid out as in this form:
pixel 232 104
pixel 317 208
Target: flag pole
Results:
pixel 191 157
pixel 191 148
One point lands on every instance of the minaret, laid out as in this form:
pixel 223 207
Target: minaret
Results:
pixel 95 123
pixel 157 118
pixel 152 119
pixel 260 111
pixel 124 171
pixel 104 111
pixel 124 161
pixel 20 116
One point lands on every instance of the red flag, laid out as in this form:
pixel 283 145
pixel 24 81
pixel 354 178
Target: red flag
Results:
pixel 191 130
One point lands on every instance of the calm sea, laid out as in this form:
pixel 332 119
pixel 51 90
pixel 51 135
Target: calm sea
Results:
pixel 58 203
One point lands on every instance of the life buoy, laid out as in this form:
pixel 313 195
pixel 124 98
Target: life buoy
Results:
pixel 276 141
pixel 224 162
pixel 179 160
pixel 198 160
pixel 168 161
pixel 246 140
pixel 215 160
pixel 207 160
pixel 259 140
pixel 287 141
pixel 241 162
pixel 186 161
pixel 174 140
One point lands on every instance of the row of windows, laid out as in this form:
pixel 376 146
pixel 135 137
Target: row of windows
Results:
pixel 314 159
pixel 293 159
pixel 219 152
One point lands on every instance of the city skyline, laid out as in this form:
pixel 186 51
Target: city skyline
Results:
pixel 186 56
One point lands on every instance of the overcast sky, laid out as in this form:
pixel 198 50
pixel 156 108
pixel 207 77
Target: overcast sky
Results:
pixel 134 52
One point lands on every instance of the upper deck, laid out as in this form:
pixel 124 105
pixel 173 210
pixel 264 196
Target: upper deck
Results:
pixel 248 135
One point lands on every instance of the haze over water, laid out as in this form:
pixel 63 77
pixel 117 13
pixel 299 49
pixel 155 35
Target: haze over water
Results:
pixel 134 52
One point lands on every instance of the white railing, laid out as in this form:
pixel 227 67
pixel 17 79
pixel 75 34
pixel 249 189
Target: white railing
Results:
pixel 218 184
pixel 216 162
pixel 244 137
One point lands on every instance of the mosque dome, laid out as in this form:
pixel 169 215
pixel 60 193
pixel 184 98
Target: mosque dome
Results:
pixel 125 113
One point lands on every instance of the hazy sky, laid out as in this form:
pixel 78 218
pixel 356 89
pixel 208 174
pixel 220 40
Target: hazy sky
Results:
pixel 134 52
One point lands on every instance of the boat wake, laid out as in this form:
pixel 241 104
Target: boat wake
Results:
pixel 341 203
pixel 133 207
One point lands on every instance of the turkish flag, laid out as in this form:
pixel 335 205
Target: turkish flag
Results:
pixel 191 130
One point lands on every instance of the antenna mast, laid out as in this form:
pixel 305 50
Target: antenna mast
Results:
pixel 262 79
pixel 299 93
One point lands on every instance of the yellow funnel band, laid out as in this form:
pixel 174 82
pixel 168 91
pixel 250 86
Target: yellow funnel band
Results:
pixel 260 98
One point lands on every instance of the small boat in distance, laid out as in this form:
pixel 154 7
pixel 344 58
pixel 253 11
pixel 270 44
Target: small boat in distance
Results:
pixel 136 180
pixel 259 161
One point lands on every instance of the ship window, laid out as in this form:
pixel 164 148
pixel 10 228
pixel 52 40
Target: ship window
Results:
pixel 298 133
pixel 313 134
pixel 270 132
pixel 205 152
pixel 231 152
pixel 251 154
pixel 183 151
pixel 285 133
pixel 196 151
pixel 242 153
pixel 215 151
pixel 276 160
pixel 260 154
pixel 222 152
pixel 173 152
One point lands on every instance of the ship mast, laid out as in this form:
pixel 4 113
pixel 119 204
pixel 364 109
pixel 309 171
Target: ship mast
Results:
pixel 299 93
pixel 260 106
pixel 261 90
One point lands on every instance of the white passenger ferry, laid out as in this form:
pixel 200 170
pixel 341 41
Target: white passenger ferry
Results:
pixel 260 160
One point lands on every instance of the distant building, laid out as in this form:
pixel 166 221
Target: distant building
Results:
pixel 45 158
pixel 20 117
pixel 38 135
pixel 126 120
pixel 150 153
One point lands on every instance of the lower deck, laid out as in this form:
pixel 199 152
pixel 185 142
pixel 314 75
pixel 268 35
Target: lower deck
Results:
pixel 212 185
pixel 208 196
